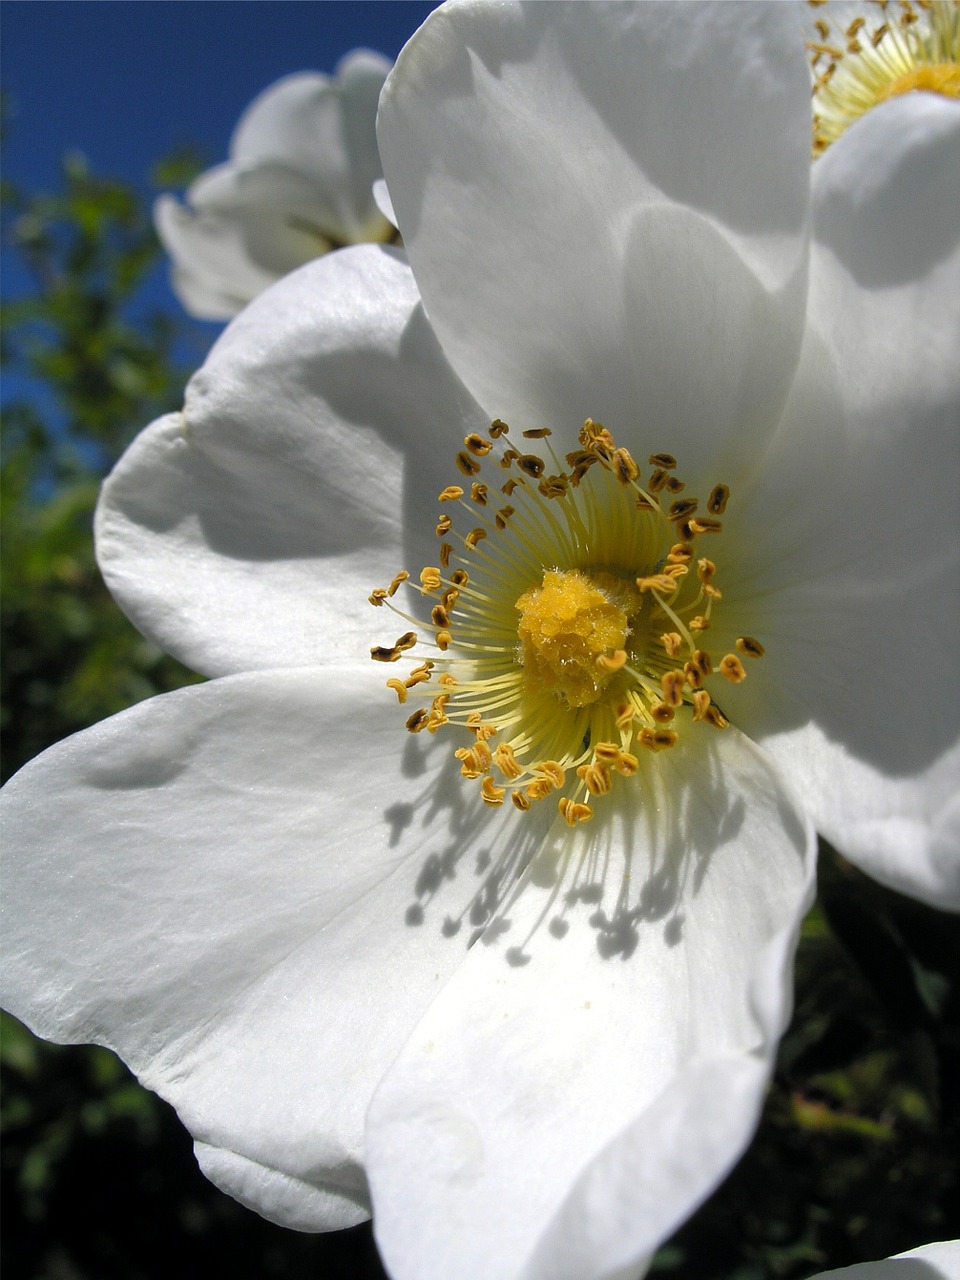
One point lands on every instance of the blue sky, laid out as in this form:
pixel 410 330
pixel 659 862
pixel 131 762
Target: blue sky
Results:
pixel 127 81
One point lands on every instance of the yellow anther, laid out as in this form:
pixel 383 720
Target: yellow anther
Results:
pixel 574 811
pixel 531 465
pixel 502 516
pixel 673 485
pixel 713 592
pixel 417 721
pixel 672 642
pixel 626 712
pixel 431 578
pixel 537 433
pixel 490 793
pixel 377 596
pixel 701 701
pixel 627 764
pixel 444 525
pixel 484 732
pixel 705 524
pixel 703 661
pixel 661 582
pixel 612 661
pixel 475 536
pixel 521 800
pixel 478 492
pixel 467 463
pixel 662 712
pixel 398 578
pixel 706 570
pixel 506 761
pixel 552 771
pixel 439 616
pixel 450 597
pixel 446 551
pixel 419 674
pixel 752 648
pixel 380 653
pixel 731 668
pixel 664 738
pixel 452 493
pixel 539 789
pixel 498 428
pixel 713 715
pixel 680 553
pixel 448 681
pixel 508 457
pixel 672 684
pixel 596 778
pixel 717 502
pixel 694 675
pixel 624 466
pixel 399 687
pixel 606 752
pixel 682 508
pixel 553 486
pixel 657 480
pixel 444 639
pixel 474 760
pixel 477 445
pixel 666 461
pixel 509 486
pixel 459 577
pixel 699 623
pixel 406 641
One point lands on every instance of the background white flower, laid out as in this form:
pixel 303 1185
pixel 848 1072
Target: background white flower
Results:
pixel 940 1261
pixel 276 872
pixel 299 182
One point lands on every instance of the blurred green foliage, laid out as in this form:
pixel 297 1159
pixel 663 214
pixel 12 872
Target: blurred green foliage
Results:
pixel 857 1154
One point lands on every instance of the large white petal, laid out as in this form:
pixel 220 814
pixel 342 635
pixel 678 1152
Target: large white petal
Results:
pixel 587 1077
pixel 248 531
pixel 940 1261
pixel 534 155
pixel 846 559
pixel 231 885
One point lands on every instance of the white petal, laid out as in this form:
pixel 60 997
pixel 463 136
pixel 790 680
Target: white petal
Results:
pixel 249 530
pixel 848 563
pixel 939 1261
pixel 230 886
pixel 525 145
pixel 323 127
pixel 383 202
pixel 212 274
pixel 586 1078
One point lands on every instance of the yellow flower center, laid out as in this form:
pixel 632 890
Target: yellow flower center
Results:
pixel 569 624
pixel 900 48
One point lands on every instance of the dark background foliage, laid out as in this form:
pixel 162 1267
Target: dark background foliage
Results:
pixel 857 1153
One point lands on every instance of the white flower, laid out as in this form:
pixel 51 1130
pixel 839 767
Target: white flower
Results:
pixel 939 1261
pixel 299 182
pixel 863 54
pixel 260 890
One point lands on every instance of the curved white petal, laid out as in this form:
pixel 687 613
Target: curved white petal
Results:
pixel 325 128
pixel 557 1112
pixel 940 1261
pixel 248 531
pixel 526 148
pixel 231 885
pixel 847 563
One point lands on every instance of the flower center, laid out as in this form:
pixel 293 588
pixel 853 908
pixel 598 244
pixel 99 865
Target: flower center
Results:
pixel 868 62
pixel 571 633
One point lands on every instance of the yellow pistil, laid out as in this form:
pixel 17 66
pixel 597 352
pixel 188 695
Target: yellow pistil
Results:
pixel 566 630
pixel 892 49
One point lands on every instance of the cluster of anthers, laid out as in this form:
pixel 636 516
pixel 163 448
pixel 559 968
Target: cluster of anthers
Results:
pixel 901 47
pixel 570 623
